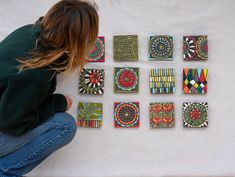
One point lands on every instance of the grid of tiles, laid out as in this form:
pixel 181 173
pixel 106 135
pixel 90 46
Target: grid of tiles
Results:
pixel 161 81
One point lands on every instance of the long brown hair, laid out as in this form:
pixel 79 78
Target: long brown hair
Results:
pixel 68 32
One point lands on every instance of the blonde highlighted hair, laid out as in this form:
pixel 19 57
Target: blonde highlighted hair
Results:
pixel 68 32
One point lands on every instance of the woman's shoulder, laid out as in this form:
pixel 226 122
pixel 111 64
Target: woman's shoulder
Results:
pixel 15 45
pixel 23 28
pixel 23 33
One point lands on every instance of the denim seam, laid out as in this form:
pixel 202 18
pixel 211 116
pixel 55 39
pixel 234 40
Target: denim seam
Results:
pixel 55 123
pixel 41 148
pixel 3 175
pixel 52 123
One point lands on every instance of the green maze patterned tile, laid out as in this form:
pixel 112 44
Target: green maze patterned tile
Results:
pixel 125 47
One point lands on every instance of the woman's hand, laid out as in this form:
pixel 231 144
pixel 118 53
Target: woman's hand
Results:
pixel 69 102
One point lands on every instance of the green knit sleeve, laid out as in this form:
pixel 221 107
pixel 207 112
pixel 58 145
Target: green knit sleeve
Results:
pixel 26 102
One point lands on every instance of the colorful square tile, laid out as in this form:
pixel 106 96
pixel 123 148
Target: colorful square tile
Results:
pixel 161 48
pixel 91 81
pixel 162 115
pixel 195 80
pixel 89 114
pixel 195 115
pixel 195 48
pixel 126 114
pixel 162 81
pixel 126 80
pixel 125 47
pixel 98 52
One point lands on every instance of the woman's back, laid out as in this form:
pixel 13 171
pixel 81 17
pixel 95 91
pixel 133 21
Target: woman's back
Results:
pixel 28 89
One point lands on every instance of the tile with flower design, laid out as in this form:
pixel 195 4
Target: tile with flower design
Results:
pixel 162 115
pixel 126 80
pixel 195 114
pixel 126 115
pixel 91 81
pixel 161 48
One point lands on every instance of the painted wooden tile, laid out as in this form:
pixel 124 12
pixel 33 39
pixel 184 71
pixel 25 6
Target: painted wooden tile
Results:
pixel 162 115
pixel 126 114
pixel 89 114
pixel 162 81
pixel 161 48
pixel 91 81
pixel 98 52
pixel 195 115
pixel 126 80
pixel 195 80
pixel 195 48
pixel 125 47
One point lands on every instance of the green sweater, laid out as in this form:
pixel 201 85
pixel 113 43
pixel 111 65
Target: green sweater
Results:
pixel 26 98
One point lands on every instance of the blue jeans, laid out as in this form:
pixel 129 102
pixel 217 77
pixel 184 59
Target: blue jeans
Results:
pixel 19 155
